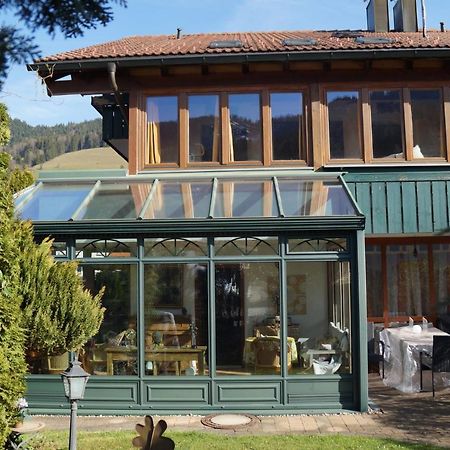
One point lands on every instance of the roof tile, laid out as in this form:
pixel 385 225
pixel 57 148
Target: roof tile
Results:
pixel 253 42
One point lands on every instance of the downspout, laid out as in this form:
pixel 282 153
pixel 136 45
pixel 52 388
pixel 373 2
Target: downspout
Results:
pixel 112 79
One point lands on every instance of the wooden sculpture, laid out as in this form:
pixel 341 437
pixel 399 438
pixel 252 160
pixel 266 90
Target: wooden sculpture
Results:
pixel 151 436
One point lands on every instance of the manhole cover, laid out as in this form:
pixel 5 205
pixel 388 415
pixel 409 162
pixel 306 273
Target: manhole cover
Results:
pixel 229 421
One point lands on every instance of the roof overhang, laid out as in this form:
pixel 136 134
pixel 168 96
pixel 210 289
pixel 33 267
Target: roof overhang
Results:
pixel 52 67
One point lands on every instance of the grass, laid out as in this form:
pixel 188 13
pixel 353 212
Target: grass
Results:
pixel 121 440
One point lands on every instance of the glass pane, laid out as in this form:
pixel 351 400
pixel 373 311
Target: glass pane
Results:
pixel 245 123
pixel 314 198
pixel 105 248
pixel 116 201
pixel 162 130
pixel 176 319
pixel 204 128
pixel 317 245
pixel 113 350
pixel 246 199
pixel 248 320
pixel 441 264
pixel 41 206
pixel 176 247
pixel 287 125
pixel 247 246
pixel 407 280
pixel 428 123
pixel 387 124
pixel 59 249
pixel 374 282
pixel 175 200
pixel 344 124
pixel 318 302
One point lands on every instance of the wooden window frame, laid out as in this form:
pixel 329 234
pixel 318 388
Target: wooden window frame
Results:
pixel 138 129
pixel 306 138
pixel 386 318
pixel 366 123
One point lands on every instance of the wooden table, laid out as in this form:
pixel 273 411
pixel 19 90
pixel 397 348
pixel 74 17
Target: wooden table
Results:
pixel 157 355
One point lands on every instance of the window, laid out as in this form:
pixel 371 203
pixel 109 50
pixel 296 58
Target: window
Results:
pixel 245 127
pixel 162 130
pixel 387 124
pixel 288 138
pixel 204 128
pixel 344 124
pixel 428 123
pixel 403 124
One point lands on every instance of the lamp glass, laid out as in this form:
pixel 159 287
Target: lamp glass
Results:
pixel 77 387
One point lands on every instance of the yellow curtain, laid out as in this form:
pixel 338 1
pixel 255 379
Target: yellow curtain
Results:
pixel 228 194
pixel 188 203
pixel 154 135
pixel 319 199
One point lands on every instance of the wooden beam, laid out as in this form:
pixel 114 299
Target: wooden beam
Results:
pixel 183 138
pixel 317 127
pixel 135 156
pixel 266 129
pixel 447 120
pixel 366 126
pixel 408 125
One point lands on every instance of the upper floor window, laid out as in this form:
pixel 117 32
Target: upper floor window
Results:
pixel 258 127
pixel 162 129
pixel 428 123
pixel 344 124
pixel 387 123
pixel 245 127
pixel 204 128
pixel 377 125
pixel 288 127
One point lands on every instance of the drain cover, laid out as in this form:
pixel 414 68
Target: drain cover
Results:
pixel 229 421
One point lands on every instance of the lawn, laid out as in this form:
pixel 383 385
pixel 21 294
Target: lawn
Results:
pixel 121 440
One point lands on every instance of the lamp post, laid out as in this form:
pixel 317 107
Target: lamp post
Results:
pixel 75 380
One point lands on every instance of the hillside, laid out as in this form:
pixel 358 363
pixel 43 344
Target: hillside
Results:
pixel 94 158
pixel 34 145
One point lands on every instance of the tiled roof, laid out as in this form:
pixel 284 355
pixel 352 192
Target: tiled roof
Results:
pixel 254 42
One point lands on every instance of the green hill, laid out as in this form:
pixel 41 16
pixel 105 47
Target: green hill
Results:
pixel 34 145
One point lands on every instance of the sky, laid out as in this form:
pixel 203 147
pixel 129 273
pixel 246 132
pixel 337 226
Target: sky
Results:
pixel 26 97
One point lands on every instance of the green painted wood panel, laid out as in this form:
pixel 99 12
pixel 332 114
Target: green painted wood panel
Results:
pixel 252 392
pixel 111 391
pixel 409 207
pixel 439 203
pixel 394 208
pixel 379 210
pixel 177 393
pixel 363 198
pixel 424 202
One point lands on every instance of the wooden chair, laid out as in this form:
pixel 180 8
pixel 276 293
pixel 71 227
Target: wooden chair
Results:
pixel 267 351
pixel 439 361
pixel 375 348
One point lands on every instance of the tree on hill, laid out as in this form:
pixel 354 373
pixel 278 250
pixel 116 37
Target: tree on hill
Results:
pixel 71 18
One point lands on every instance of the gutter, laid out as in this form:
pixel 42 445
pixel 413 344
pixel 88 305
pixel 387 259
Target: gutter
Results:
pixel 329 55
pixel 111 67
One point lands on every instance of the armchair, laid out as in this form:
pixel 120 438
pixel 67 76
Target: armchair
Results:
pixel 267 351
pixel 439 361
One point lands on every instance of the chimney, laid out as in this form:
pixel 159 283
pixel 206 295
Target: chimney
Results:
pixel 405 16
pixel 377 15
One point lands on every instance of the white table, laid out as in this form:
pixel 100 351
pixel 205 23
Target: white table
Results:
pixel 402 354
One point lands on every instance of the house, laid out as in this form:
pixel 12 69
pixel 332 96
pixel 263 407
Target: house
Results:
pixel 270 175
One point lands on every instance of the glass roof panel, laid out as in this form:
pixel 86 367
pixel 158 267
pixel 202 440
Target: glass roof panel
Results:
pixel 116 201
pixel 53 202
pixel 314 198
pixel 254 198
pixel 180 200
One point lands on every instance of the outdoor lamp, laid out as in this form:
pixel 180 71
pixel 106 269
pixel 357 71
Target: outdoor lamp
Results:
pixel 75 380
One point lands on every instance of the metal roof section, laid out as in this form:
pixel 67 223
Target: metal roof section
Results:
pixel 211 197
pixel 236 43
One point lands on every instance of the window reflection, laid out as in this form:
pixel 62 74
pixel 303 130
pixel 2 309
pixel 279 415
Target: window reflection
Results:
pixel 387 124
pixel 162 129
pixel 318 303
pixel 344 124
pixel 245 127
pixel 287 125
pixel 176 319
pixel 113 350
pixel 204 128
pixel 248 320
pixel 428 123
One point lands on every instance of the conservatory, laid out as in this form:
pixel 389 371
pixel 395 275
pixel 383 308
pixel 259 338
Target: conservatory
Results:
pixel 238 291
